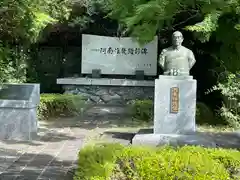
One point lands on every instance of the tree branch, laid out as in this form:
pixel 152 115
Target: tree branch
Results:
pixel 186 20
pixel 182 22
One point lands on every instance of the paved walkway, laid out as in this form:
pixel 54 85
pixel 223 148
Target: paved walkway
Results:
pixel 54 151
pixel 48 157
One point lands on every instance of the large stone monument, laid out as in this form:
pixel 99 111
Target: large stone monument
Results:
pixel 175 99
pixel 114 72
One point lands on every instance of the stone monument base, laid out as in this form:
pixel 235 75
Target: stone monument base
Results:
pixel 144 138
pixel 107 91
pixel 174 105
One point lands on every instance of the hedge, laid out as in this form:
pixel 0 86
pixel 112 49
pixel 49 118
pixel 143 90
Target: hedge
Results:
pixel 116 162
pixel 55 105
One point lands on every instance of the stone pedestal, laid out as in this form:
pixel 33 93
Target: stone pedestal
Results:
pixel 174 105
pixel 174 114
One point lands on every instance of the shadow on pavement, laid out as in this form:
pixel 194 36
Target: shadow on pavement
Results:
pixel 43 135
pixel 90 123
pixel 99 116
pixel 121 135
pixel 43 166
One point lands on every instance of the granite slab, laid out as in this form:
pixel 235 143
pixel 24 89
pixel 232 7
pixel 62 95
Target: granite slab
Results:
pixel 105 82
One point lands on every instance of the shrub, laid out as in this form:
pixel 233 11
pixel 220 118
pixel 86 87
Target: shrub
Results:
pixel 144 109
pixel 54 105
pixel 115 162
pixel 13 63
pixel 97 161
pixel 230 89
pixel 204 114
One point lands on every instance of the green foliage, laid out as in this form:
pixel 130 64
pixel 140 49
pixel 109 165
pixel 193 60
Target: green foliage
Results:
pixel 228 53
pixel 204 115
pixel 84 11
pixel 12 64
pixel 25 19
pixel 22 22
pixel 205 28
pixel 143 19
pixel 55 105
pixel 217 21
pixel 113 161
pixel 142 110
pixel 97 161
pixel 230 88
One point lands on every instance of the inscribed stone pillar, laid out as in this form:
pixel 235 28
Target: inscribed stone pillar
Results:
pixel 174 105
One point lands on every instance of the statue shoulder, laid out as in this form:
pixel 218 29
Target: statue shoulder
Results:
pixel 189 51
pixel 190 54
pixel 166 50
pixel 186 49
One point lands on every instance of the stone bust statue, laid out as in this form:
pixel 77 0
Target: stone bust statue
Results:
pixel 176 60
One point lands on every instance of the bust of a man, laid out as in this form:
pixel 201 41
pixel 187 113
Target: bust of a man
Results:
pixel 177 60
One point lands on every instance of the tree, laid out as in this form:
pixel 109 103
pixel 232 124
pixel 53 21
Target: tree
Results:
pixel 23 20
pixel 21 24
pixel 219 19
pixel 215 20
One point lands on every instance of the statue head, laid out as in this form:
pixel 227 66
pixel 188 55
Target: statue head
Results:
pixel 177 38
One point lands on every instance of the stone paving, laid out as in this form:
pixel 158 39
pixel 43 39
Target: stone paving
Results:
pixel 48 157
pixel 53 152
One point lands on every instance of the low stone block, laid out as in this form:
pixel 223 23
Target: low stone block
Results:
pixel 96 73
pixel 139 75
pixel 171 139
pixel 18 111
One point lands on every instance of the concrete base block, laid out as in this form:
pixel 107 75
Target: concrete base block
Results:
pixel 171 139
pixel 18 111
pixel 151 139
